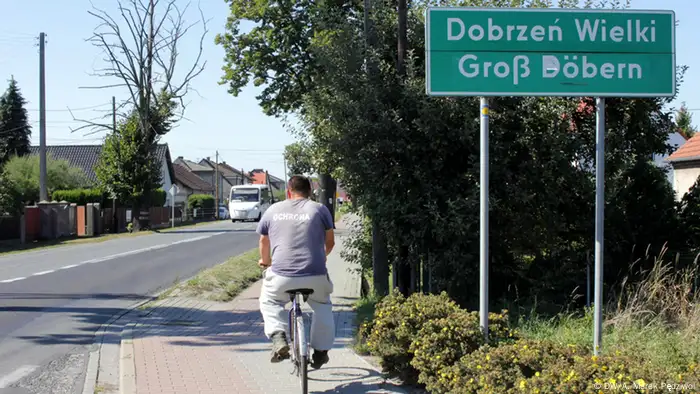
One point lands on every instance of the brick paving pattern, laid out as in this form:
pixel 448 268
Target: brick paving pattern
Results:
pixel 188 346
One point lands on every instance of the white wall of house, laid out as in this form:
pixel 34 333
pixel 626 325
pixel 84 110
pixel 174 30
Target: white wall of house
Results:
pixel 224 184
pixel 225 191
pixel 181 196
pixel 676 141
pixel 685 175
pixel 167 182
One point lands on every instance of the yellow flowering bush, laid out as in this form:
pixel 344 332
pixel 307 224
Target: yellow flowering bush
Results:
pixel 443 342
pixel 502 369
pixel 592 374
pixel 397 321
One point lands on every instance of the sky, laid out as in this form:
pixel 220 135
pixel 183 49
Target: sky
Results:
pixel 215 120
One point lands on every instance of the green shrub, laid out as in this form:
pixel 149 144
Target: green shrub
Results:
pixel 202 201
pixel 158 198
pixel 397 321
pixel 586 373
pixel 502 369
pixel 79 196
pixel 443 342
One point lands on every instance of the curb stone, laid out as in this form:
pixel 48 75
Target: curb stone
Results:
pixel 127 364
pixel 93 364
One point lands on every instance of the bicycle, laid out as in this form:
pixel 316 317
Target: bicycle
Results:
pixel 297 331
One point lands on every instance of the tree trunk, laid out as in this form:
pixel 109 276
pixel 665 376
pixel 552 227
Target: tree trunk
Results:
pixel 403 271
pixel 380 261
pixel 135 216
pixel 327 192
pixel 145 215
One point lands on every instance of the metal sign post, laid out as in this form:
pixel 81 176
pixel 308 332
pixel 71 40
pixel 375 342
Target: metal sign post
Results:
pixel 484 219
pixel 173 191
pixel 599 219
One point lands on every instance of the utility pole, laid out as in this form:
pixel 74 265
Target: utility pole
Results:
pixel 242 177
pixel 216 208
pixel 269 185
pixel 380 250
pixel 43 192
pixel 115 225
pixel 286 180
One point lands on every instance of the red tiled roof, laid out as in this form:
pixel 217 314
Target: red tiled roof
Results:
pixel 258 178
pixel 688 151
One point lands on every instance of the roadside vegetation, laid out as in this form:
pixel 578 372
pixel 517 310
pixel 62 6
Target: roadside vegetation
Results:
pixel 224 281
pixel 342 210
pixel 650 343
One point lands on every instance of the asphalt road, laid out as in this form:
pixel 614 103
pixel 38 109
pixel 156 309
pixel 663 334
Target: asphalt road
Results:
pixel 53 301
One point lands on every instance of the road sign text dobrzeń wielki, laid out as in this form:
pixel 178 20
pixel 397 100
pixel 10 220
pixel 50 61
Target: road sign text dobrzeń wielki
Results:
pixel 550 52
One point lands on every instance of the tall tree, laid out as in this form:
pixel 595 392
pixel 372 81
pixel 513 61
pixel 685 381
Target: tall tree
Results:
pixel 143 57
pixel 15 132
pixel 123 169
pixel 684 122
pixel 299 158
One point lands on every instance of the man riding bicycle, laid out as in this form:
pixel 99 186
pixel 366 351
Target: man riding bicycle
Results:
pixel 296 236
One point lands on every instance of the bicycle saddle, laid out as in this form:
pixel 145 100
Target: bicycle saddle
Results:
pixel 304 292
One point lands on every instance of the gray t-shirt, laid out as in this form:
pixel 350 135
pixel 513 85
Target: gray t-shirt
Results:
pixel 297 231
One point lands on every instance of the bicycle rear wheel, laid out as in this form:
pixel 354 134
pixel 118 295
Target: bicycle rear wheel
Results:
pixel 303 352
pixel 303 377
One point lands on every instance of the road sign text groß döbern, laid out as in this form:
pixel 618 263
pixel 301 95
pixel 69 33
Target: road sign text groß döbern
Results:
pixel 562 52
pixel 570 67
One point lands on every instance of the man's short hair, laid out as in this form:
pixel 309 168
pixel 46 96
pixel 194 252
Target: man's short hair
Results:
pixel 300 185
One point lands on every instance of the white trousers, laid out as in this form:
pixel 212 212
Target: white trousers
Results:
pixel 273 299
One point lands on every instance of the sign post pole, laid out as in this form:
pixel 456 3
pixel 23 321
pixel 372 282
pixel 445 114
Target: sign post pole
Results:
pixel 173 191
pixel 599 220
pixel 484 219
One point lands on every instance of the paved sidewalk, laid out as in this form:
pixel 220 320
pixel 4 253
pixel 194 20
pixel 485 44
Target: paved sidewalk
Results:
pixel 191 346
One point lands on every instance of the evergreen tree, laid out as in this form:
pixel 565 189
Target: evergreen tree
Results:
pixel 15 131
pixel 684 121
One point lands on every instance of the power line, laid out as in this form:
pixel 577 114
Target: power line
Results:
pixel 275 151
pixel 72 109
pixel 21 127
pixel 8 32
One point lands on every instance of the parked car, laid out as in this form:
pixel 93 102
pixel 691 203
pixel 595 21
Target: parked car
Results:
pixel 223 213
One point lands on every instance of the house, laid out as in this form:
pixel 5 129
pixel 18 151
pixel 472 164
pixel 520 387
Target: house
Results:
pixel 676 140
pixel 685 162
pixel 232 175
pixel 189 183
pixel 258 177
pixel 86 157
pixel 206 170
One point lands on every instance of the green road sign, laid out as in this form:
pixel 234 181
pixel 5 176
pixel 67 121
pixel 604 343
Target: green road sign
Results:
pixel 550 52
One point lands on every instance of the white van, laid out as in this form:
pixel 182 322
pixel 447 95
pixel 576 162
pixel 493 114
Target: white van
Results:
pixel 249 202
